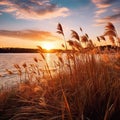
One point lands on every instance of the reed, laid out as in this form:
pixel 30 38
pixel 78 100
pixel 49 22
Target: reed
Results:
pixel 90 92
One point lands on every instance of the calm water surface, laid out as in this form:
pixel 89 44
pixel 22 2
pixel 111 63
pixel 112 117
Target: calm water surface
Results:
pixel 7 61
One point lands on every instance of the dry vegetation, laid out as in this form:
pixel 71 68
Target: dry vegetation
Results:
pixel 86 87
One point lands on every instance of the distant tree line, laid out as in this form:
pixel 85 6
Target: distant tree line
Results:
pixel 18 50
pixel 28 50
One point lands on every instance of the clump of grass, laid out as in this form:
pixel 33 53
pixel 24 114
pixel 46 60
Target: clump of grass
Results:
pixel 91 93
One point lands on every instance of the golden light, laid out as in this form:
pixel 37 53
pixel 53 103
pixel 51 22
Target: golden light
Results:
pixel 47 46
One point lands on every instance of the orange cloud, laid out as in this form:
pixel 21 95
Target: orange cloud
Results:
pixel 29 35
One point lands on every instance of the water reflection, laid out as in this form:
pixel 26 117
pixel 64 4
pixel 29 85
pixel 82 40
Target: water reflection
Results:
pixel 50 60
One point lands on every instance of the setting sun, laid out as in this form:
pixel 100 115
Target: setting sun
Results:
pixel 48 46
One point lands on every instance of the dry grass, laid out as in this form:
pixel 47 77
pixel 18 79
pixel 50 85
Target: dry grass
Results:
pixel 86 85
pixel 92 92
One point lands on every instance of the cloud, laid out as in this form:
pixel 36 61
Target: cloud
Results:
pixel 103 3
pixel 113 18
pixel 29 35
pixel 33 9
pixel 102 6
pixel 107 11
pixel 99 12
pixel 116 10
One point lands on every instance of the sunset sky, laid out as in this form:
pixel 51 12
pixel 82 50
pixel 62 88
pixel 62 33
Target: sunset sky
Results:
pixel 28 23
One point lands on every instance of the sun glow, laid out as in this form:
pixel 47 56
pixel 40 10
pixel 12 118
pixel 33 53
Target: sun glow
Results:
pixel 47 46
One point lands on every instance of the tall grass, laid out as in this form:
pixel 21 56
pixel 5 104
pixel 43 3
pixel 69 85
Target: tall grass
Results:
pixel 91 93
pixel 86 87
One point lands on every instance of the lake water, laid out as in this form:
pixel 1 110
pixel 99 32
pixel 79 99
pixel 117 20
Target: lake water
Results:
pixel 8 60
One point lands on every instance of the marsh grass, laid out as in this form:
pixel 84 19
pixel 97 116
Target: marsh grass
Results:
pixel 86 87
pixel 91 93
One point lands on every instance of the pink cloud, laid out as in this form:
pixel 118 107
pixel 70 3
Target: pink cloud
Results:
pixel 23 14
pixel 116 10
pixel 107 9
pixel 102 3
pixel 33 9
pixel 99 12
pixel 113 18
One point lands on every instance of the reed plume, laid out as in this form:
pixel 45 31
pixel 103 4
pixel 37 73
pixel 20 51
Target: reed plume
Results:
pixel 24 65
pixel 86 35
pixel 109 27
pixel 60 29
pixel 84 39
pixel 41 52
pixel 71 43
pixel 17 66
pixel 75 35
pixel 9 72
pixel 36 60
pixel 63 45
pixel 102 37
pixel 98 39
pixel 77 45
pixel 81 29
pixel 90 44
pixel 110 31
pixel 74 44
